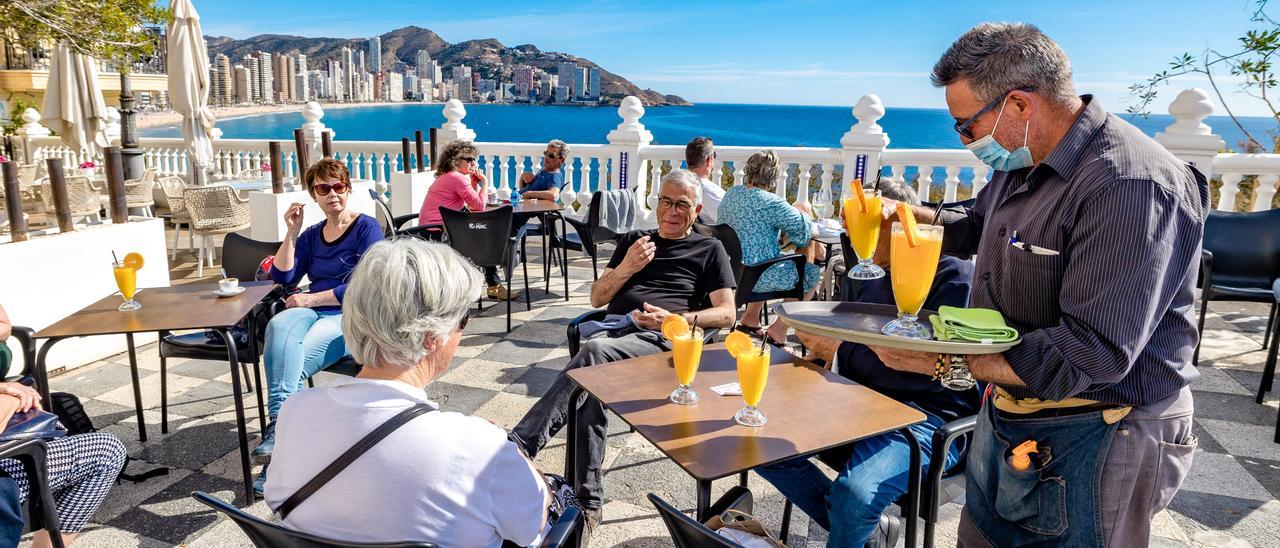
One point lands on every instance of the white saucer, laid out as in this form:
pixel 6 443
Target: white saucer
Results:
pixel 238 290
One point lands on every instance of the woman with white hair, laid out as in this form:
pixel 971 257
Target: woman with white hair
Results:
pixel 442 477
pixel 761 218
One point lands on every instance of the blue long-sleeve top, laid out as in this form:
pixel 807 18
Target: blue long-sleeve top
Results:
pixel 329 264
pixel 858 363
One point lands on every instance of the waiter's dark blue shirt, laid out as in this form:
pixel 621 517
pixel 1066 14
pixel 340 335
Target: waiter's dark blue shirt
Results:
pixel 859 364
pixel 1109 317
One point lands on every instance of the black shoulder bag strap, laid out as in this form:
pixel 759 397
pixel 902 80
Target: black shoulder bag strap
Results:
pixel 345 459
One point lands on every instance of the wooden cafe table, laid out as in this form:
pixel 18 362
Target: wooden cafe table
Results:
pixel 809 409
pixel 546 211
pixel 184 307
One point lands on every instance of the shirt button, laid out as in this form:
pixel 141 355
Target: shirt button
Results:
pixel 1002 231
pixel 986 275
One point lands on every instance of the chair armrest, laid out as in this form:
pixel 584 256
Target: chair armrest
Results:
pixel 943 438
pixel 399 221
pixel 1206 269
pixel 572 329
pixel 565 526
pixel 736 498
pixel 32 454
pixel 27 337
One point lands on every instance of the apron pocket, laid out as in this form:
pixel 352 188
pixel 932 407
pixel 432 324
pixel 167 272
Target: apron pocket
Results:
pixel 1171 469
pixel 1036 504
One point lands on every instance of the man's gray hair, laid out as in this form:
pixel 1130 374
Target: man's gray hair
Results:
pixel 561 146
pixel 996 58
pixel 403 293
pixel 698 151
pixel 762 170
pixel 686 179
pixel 897 190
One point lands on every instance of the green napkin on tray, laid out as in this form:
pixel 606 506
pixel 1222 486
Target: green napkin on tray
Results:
pixel 971 325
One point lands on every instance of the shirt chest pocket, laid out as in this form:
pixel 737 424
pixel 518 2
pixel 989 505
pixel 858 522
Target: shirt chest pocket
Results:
pixel 1031 286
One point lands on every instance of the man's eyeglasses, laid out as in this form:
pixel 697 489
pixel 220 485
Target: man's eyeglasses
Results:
pixel 462 324
pixel 552 155
pixel 963 126
pixel 680 205
pixel 323 189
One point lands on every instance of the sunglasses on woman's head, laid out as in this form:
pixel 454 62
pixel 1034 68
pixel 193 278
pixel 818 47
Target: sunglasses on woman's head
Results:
pixel 322 189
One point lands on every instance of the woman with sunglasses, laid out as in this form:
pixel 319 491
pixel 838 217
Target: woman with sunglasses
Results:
pixel 459 183
pixel 307 336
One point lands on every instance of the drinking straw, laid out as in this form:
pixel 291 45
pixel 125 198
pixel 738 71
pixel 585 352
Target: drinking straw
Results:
pixel 115 261
pixel 937 213
pixel 695 324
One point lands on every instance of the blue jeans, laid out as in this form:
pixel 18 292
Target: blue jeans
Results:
pixel 873 477
pixel 300 342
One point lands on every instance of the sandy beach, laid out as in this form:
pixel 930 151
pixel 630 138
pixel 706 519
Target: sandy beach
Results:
pixel 171 118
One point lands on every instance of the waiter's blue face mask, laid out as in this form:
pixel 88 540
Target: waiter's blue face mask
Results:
pixel 995 155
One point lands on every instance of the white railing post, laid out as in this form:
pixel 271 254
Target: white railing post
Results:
pixel 31 129
pixel 313 129
pixel 453 128
pixel 627 140
pixel 864 138
pixel 1189 138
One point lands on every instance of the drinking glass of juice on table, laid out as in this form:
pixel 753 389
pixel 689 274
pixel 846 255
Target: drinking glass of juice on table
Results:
pixel 126 273
pixel 862 222
pixel 686 350
pixel 913 260
pixel 753 373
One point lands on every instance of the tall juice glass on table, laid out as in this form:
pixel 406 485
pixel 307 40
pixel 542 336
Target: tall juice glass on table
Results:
pixel 127 283
pixel 753 374
pixel 686 352
pixel 913 262
pixel 862 222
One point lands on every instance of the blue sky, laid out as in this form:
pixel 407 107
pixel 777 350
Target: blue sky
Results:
pixel 785 52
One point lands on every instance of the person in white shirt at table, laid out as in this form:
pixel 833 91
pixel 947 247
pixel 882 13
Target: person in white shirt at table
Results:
pixel 442 477
pixel 700 155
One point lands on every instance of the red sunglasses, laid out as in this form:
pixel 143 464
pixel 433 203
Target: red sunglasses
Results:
pixel 322 189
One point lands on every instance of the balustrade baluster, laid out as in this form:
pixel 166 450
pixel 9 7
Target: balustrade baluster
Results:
pixel 380 164
pixel 655 177
pixel 953 183
pixel 826 188
pixel 1265 192
pixel 802 182
pixel 367 166
pixel 924 180
pixel 1227 193
pixel 503 185
pixel 738 172
pixel 981 176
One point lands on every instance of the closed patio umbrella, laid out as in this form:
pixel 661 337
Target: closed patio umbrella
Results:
pixel 73 104
pixel 189 85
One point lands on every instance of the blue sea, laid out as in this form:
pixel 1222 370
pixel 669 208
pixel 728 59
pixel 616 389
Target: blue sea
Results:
pixel 726 124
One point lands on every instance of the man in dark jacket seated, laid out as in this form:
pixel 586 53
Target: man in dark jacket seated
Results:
pixel 872 473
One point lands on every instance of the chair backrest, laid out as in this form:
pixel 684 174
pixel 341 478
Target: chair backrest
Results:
pixel 215 207
pixel 173 187
pixel 484 236
pixel 600 233
pixel 1245 247
pixel 729 239
pixel 82 196
pixel 685 531
pixel 383 213
pixel 27 174
pixel 241 255
pixel 138 193
pixel 270 535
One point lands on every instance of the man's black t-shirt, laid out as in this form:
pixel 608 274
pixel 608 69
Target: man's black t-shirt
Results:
pixel 680 278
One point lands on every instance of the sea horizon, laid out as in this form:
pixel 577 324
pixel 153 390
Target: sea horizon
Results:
pixel 730 124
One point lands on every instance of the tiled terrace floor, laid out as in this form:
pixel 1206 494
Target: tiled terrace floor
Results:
pixel 1229 499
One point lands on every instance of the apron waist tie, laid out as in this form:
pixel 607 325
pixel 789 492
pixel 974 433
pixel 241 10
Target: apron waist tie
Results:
pixel 1035 407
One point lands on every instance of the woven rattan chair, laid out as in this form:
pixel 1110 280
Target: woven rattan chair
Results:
pixel 173 188
pixel 216 209
pixel 249 175
pixel 137 192
pixel 29 179
pixel 82 196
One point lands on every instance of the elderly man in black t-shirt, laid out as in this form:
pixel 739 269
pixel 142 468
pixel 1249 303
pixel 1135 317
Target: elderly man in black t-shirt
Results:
pixel 653 274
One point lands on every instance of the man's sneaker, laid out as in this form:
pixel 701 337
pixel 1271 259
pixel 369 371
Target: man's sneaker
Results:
pixel 263 451
pixel 886 533
pixel 500 293
pixel 590 520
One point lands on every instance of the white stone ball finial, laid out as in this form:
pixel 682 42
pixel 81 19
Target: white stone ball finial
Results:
pixel 454 112
pixel 868 111
pixel 631 110
pixel 312 112
pixel 1189 109
pixel 31 116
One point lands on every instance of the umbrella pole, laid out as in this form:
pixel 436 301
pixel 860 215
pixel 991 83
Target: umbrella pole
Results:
pixel 13 202
pixel 61 201
pixel 130 154
pixel 115 185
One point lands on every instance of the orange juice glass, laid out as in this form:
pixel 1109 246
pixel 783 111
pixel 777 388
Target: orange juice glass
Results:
pixel 863 229
pixel 127 282
pixel 753 374
pixel 911 272
pixel 686 352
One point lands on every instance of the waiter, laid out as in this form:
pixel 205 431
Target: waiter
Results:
pixel 1087 240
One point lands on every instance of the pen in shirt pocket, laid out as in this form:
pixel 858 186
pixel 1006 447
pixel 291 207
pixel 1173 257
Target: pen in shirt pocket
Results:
pixel 1033 249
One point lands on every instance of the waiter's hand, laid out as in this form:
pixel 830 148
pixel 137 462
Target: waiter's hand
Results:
pixel 911 361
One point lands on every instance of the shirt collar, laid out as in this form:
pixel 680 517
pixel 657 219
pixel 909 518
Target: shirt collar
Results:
pixel 390 388
pixel 1066 154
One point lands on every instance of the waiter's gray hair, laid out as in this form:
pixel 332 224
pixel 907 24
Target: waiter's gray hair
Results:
pixel 996 58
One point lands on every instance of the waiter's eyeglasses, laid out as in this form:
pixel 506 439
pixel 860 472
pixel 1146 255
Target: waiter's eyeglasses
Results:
pixel 963 126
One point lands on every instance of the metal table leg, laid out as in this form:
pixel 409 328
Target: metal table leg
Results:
pixel 571 455
pixel 137 390
pixel 912 510
pixel 564 253
pixel 704 501
pixel 234 358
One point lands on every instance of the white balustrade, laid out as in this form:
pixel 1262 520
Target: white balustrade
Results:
pixel 1263 171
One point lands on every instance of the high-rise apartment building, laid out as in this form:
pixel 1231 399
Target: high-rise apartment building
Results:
pixel 421 61
pixel 395 86
pixel 244 84
pixel 375 53
pixel 580 82
pixel 593 83
pixel 348 75
pixel 523 79
pixel 302 84
pixel 223 82
pixel 411 86
pixel 462 79
pixel 255 80
pixel 266 77
pixel 284 79
pixel 568 73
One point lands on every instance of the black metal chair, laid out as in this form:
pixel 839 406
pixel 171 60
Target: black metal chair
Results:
pixel 686 532
pixel 939 486
pixel 1234 267
pixel 391 224
pixel 27 337
pixel 588 234
pixel 39 511
pixel 269 535
pixel 240 259
pixel 485 238
pixel 747 275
